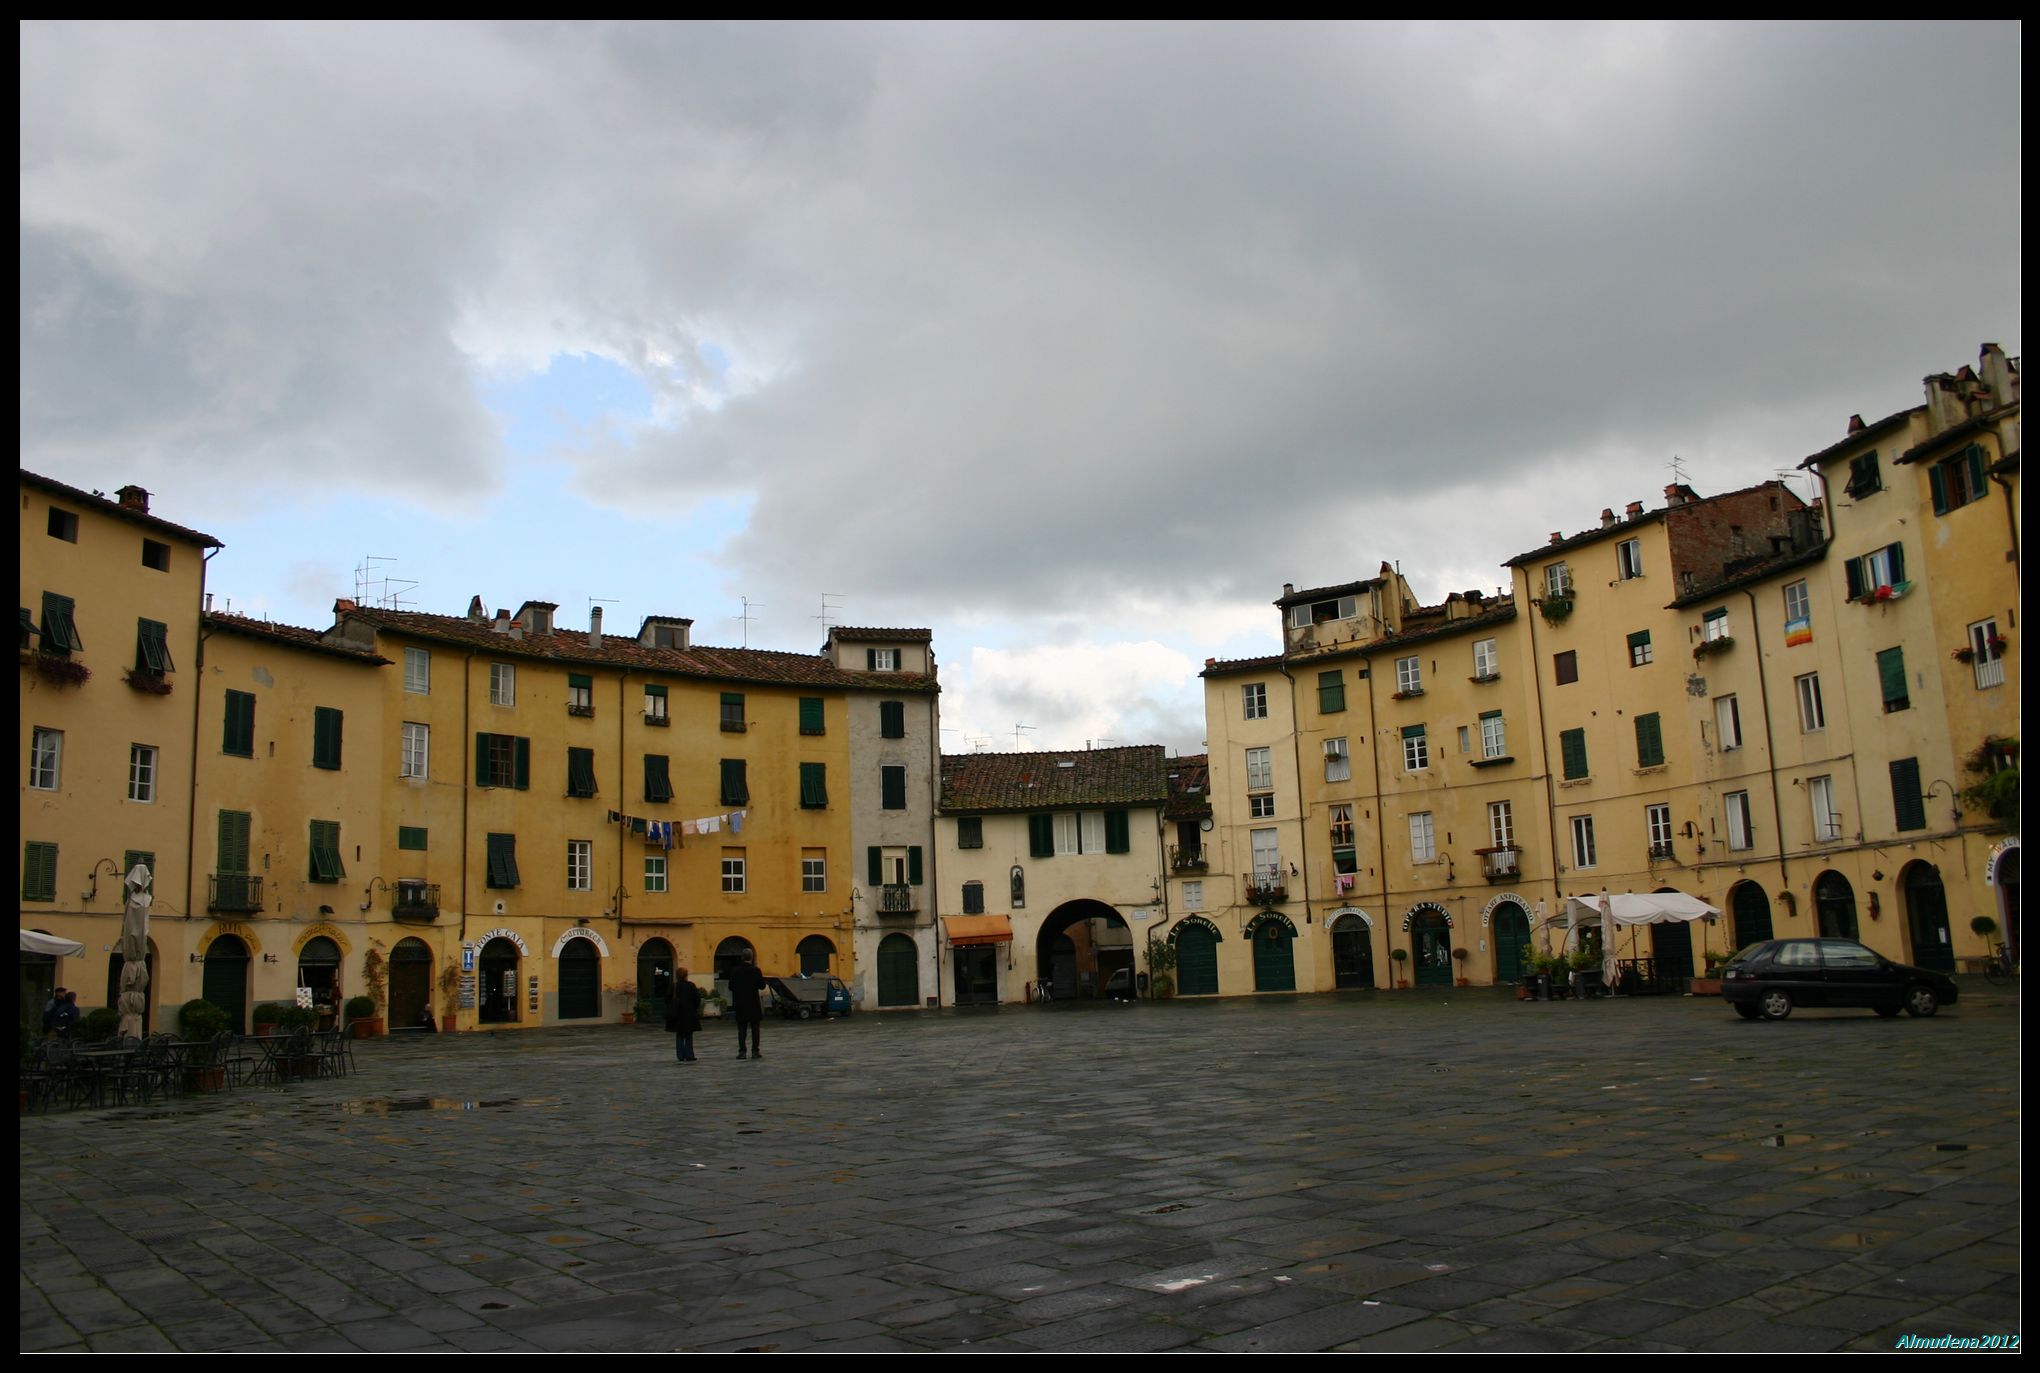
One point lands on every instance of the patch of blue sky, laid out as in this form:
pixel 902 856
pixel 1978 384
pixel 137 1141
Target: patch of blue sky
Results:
pixel 578 396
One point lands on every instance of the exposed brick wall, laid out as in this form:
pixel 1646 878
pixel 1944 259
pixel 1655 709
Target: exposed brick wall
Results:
pixel 1709 534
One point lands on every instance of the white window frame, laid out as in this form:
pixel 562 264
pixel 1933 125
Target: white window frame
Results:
pixel 1557 582
pixel 1423 837
pixel 580 865
pixel 1820 800
pixel 885 660
pixel 814 874
pixel 1714 625
pixel 1494 736
pixel 1338 762
pixel 1268 870
pixel 502 684
pixel 655 874
pixel 1193 895
pixel 1254 701
pixel 1876 569
pixel 1260 769
pixel 417 751
pixel 1812 710
pixel 1487 658
pixel 1798 592
pixel 1068 841
pixel 1501 823
pixel 417 672
pixel 1989 665
pixel 1727 723
pixel 1629 560
pixel 1584 855
pixel 1261 806
pixel 732 874
pixel 1091 832
pixel 580 697
pixel 142 763
pixel 46 760
pixel 1416 751
pixel 655 705
pixel 1657 821
pixel 1640 655
pixel 1409 674
pixel 1741 832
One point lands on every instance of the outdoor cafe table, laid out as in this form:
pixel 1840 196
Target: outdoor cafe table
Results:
pixel 102 1066
pixel 276 1064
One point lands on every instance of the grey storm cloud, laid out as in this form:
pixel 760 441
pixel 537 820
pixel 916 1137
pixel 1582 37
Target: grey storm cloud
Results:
pixel 1047 315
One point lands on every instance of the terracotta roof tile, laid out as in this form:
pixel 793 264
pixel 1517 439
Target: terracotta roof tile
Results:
pixel 106 506
pixel 293 635
pixel 1133 776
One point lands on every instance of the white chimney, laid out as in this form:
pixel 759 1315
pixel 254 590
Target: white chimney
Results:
pixel 502 624
pixel 595 628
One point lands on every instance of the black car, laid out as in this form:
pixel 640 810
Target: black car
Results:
pixel 1771 978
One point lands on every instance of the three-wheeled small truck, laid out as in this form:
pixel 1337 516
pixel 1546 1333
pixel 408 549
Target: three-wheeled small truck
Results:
pixel 804 996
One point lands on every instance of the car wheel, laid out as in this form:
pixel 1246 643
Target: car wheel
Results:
pixel 1920 1003
pixel 804 1013
pixel 1746 1011
pixel 1887 1012
pixel 1776 1004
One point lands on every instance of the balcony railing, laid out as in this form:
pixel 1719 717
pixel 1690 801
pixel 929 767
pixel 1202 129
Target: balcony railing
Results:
pixel 1990 674
pixel 1502 864
pixel 586 712
pixel 658 721
pixel 1187 859
pixel 416 901
pixel 237 893
pixel 1267 893
pixel 896 899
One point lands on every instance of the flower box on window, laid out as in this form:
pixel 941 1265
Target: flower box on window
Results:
pixel 62 671
pixel 1964 654
pixel 656 721
pixel 1998 643
pixel 1407 695
pixel 585 712
pixel 149 683
pixel 1707 648
pixel 1554 609
pixel 1483 678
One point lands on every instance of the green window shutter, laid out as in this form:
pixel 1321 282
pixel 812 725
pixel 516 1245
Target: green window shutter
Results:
pixel 655 689
pixel 871 660
pixel 1908 807
pixel 1975 456
pixel 892 719
pixel 1412 731
pixel 1721 614
pixel 523 764
pixel 1331 692
pixel 658 783
pixel 580 679
pixel 1853 568
pixel 1891 675
pixel 240 727
pixel 736 790
pixel 1938 483
pixel 1572 744
pixel 482 759
pixel 1041 836
pixel 875 871
pixel 811 715
pixel 914 866
pixel 1897 554
pixel 1118 832
pixel 580 772
pixel 39 872
pixel 410 837
pixel 152 647
pixel 234 827
pixel 814 786
pixel 326 724
pixel 502 860
pixel 1650 742
pixel 60 630
pixel 326 865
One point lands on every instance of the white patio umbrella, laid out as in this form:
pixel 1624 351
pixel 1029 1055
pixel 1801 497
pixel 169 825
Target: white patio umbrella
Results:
pixel 49 945
pixel 134 950
pixel 1611 967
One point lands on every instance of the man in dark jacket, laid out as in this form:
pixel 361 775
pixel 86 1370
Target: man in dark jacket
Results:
pixel 747 986
pixel 683 1015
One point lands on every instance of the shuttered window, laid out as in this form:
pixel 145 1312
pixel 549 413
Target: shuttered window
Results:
pixel 973 898
pixel 1572 747
pixel 814 786
pixel 580 772
pixel 892 719
pixel 1565 667
pixel 60 631
pixel 1041 836
pixel 1118 832
pixel 410 837
pixel 914 866
pixel 326 865
pixel 658 784
pixel 875 866
pixel 1650 741
pixel 502 760
pixel 233 851
pixel 502 860
pixel 1908 807
pixel 892 788
pixel 970 832
pixel 1331 692
pixel 1639 648
pixel 1891 676
pixel 238 737
pixel 326 738
pixel 734 783
pixel 39 872
pixel 152 648
pixel 733 712
pixel 811 715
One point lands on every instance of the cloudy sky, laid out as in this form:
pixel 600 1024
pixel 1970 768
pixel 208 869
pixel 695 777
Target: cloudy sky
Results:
pixel 1071 344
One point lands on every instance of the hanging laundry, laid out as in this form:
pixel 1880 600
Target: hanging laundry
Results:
pixel 615 817
pixel 637 825
pixel 737 821
pixel 712 825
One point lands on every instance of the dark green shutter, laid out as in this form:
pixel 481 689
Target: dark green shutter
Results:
pixel 325 842
pixel 1331 690
pixel 326 724
pixel 482 777
pixel 410 837
pixel 1975 456
pixel 892 719
pixel 1939 485
pixel 234 828
pixel 1853 568
pixel 1118 832
pixel 1891 674
pixel 1650 741
pixel 152 649
pixel 871 660
pixel 523 764
pixel 1640 639
pixel 580 772
pixel 814 786
pixel 240 726
pixel 1041 836
pixel 502 860
pixel 914 866
pixel 736 790
pixel 1572 744
pixel 60 630
pixel 876 868
pixel 1897 557
pixel 811 715
pixel 576 679
pixel 1907 805
pixel 39 872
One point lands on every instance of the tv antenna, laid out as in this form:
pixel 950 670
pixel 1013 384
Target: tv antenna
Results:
pixel 381 592
pixel 1017 728
pixel 1678 469
pixel 749 606
pixel 828 615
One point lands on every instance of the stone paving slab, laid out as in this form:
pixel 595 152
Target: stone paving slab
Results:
pixel 1394 1172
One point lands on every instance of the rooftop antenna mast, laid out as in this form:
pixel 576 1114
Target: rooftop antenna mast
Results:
pixel 828 615
pixel 1678 470
pixel 594 601
pixel 749 606
pixel 379 591
pixel 1017 728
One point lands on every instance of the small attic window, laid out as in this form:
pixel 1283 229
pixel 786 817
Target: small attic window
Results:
pixel 537 620
pixel 1066 762
pixel 63 525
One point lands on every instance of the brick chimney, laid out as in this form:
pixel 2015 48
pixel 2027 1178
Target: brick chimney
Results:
pixel 1856 425
pixel 1633 511
pixel 1607 517
pixel 595 629
pixel 1557 537
pixel 133 498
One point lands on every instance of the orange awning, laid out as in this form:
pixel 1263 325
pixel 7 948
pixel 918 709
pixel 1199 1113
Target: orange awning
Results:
pixel 978 929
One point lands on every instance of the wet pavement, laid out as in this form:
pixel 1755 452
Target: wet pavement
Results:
pixel 1398 1171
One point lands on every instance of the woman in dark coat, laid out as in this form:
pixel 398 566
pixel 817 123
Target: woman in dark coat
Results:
pixel 683 1015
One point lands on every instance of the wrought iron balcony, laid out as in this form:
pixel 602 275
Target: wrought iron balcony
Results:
pixel 657 721
pixel 1267 893
pixel 416 901
pixel 898 899
pixel 1190 859
pixel 236 893
pixel 1501 864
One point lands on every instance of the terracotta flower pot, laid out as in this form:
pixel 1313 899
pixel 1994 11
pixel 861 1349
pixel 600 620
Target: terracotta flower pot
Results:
pixel 367 1028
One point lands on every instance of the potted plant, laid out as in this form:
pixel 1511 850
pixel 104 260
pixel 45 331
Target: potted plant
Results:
pixel 362 1021
pixel 99 1024
pixel 268 1016
pixel 1163 985
pixel 449 995
pixel 1401 956
pixel 1585 964
pixel 201 1022
pixel 713 1004
pixel 1459 973
pixel 1538 980
pixel 1710 984
pixel 1964 654
pixel 643 1010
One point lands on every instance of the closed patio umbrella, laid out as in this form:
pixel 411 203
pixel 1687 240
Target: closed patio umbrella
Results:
pixel 1611 967
pixel 134 950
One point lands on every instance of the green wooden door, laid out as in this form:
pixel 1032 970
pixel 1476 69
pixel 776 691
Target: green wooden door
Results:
pixel 1671 945
pixel 1197 961
pixel 1431 950
pixel 1512 943
pixel 580 981
pixel 1352 954
pixel 1752 910
pixel 1927 911
pixel 899 972
pixel 1274 958
pixel 226 979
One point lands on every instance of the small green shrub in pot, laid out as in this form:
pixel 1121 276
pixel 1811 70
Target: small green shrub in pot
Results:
pixel 200 1019
pixel 360 1008
pixel 100 1023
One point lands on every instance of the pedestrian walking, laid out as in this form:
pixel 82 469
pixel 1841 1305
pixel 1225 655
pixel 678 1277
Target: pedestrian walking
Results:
pixel 683 1015
pixel 747 986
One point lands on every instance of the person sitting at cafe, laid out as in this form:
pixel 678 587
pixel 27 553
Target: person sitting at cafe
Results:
pixel 62 1018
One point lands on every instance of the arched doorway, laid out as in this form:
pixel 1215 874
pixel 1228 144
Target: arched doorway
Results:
pixel 116 963
pixel 655 964
pixel 1750 909
pixel 580 980
pixel 1926 914
pixel 499 982
pixel 2008 899
pixel 1081 944
pixel 319 971
pixel 226 979
pixel 729 954
pixel 1671 949
pixel 1197 941
pixel 1352 951
pixel 1273 940
pixel 815 954
pixel 1512 942
pixel 899 971
pixel 410 984
pixel 1431 948
pixel 1834 900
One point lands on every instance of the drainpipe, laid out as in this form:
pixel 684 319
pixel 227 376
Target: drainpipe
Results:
pixel 197 693
pixel 467 772
pixel 2011 518
pixel 1770 749
pixel 1380 821
pixel 1544 746
pixel 622 880
pixel 1302 824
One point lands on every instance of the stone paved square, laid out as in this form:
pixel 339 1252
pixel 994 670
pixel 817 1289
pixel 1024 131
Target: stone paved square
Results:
pixel 1407 1171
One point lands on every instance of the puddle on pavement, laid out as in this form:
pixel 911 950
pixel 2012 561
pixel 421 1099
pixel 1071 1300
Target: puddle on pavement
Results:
pixel 429 1103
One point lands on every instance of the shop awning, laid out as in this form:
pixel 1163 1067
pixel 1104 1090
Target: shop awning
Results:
pixel 977 929
pixel 35 941
pixel 1638 908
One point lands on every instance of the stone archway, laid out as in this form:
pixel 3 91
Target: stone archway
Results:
pixel 1272 937
pixel 816 955
pixel 1352 950
pixel 1749 912
pixel 1080 945
pixel 1834 903
pixel 1926 917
